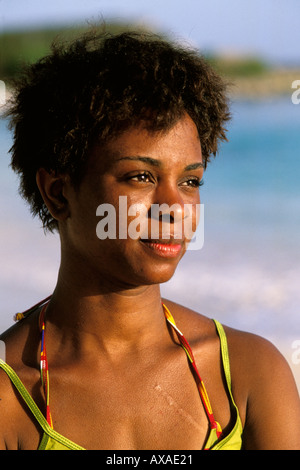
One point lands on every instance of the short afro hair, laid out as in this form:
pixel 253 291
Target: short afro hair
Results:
pixel 98 86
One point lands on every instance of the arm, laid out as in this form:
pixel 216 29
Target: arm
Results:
pixel 273 406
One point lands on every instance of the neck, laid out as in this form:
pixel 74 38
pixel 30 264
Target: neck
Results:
pixel 112 319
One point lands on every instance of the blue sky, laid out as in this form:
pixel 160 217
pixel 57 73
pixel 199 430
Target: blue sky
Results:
pixel 269 28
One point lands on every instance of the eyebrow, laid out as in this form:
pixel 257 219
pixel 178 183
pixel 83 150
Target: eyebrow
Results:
pixel 157 163
pixel 149 160
pixel 194 166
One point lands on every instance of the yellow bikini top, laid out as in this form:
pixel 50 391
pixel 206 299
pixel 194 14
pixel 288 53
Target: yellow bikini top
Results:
pixel 52 440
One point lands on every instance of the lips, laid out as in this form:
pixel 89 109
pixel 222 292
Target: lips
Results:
pixel 164 248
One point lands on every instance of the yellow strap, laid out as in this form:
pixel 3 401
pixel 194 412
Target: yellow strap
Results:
pixel 24 394
pixel 225 354
pixel 35 409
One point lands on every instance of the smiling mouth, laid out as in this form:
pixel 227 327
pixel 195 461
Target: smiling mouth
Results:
pixel 164 248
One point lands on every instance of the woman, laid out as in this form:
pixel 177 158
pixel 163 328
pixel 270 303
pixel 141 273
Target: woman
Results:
pixel 106 120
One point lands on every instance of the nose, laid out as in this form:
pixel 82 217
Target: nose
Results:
pixel 169 217
pixel 168 205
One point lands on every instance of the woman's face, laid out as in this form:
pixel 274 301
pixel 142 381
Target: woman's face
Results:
pixel 126 241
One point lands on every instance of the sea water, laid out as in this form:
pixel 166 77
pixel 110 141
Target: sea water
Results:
pixel 246 274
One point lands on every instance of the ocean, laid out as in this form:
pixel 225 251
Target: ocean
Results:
pixel 247 273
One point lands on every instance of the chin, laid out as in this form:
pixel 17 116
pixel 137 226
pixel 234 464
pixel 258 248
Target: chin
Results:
pixel 157 269
pixel 135 268
pixel 154 274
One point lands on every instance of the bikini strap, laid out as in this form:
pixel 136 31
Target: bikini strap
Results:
pixel 25 395
pixel 51 433
pixel 225 360
pixel 43 356
pixel 44 365
pixel 201 387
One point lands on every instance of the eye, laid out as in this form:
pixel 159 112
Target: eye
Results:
pixel 142 177
pixel 193 182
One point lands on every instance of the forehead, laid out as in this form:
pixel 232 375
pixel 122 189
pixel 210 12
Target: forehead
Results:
pixel 181 143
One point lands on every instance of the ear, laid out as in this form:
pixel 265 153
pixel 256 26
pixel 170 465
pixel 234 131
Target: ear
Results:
pixel 52 189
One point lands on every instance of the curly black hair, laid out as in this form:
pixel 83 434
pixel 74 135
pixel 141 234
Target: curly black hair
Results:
pixel 97 87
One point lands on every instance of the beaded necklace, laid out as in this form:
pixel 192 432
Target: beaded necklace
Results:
pixel 44 366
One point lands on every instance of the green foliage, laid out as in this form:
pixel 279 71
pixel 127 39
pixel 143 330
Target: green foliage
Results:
pixel 24 47
pixel 238 66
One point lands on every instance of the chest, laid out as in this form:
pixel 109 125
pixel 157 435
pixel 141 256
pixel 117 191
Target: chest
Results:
pixel 151 409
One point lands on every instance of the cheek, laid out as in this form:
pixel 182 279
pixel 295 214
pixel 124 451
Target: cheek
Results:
pixel 193 214
pixel 122 219
pixel 130 216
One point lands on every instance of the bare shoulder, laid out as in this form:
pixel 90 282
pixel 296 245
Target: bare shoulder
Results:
pixel 263 385
pixel 9 405
pixel 249 352
pixel 20 346
pixel 273 404
pixel 193 325
pixel 258 352
pixel 257 361
pixel 20 350
pixel 15 343
pixel 20 340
